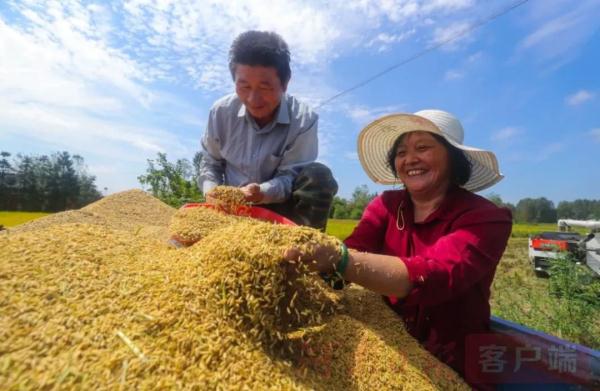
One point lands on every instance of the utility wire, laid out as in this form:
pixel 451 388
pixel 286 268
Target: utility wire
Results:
pixel 470 28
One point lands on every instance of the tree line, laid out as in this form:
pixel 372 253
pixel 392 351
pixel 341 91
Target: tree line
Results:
pixel 542 210
pixel 173 183
pixel 60 182
pixel 45 183
pixel 527 210
pixel 176 183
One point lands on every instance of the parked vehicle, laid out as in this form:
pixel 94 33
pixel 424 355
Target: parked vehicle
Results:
pixel 546 246
pixel 590 245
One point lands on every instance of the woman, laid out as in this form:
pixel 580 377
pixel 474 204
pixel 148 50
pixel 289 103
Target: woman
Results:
pixel 432 248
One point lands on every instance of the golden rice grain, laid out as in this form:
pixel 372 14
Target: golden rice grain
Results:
pixel 99 306
pixel 229 198
pixel 133 210
pixel 247 284
pixel 365 347
pixel 189 225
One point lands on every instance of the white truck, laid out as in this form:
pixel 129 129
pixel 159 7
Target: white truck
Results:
pixel 590 245
pixel 546 246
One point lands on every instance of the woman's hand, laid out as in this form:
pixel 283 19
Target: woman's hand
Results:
pixel 320 258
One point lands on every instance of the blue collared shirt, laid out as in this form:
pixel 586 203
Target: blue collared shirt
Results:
pixel 236 151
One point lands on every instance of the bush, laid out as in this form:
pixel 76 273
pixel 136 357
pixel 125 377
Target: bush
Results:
pixel 578 291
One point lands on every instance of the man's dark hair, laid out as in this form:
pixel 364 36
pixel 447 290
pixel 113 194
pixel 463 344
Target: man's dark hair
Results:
pixel 261 48
pixel 460 165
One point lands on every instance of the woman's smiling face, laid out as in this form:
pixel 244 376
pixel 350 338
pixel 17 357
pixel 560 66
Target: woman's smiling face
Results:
pixel 422 163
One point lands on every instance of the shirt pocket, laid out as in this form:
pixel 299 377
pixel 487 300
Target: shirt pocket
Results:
pixel 271 164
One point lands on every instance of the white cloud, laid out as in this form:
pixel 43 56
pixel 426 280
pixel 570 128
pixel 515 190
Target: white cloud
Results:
pixel 465 68
pixel 195 37
pixel 362 115
pixel 475 57
pixel 595 133
pixel 453 74
pixel 579 97
pixel 93 78
pixel 547 151
pixel 506 134
pixel 452 35
pixel 138 41
pixel 351 155
pixel 81 132
pixel 562 28
pixel 383 41
pixel 446 5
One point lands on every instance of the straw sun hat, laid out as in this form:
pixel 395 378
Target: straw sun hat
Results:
pixel 376 139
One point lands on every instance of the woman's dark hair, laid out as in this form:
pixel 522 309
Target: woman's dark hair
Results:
pixel 261 48
pixel 460 165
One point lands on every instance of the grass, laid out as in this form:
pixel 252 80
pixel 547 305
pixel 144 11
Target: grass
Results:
pixel 521 230
pixel 520 296
pixel 342 228
pixel 10 219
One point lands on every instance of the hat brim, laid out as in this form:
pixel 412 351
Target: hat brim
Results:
pixel 376 139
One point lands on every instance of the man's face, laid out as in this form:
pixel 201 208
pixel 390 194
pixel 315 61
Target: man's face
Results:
pixel 260 90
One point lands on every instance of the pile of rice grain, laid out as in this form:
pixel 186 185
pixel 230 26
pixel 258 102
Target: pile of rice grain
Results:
pixel 247 285
pixel 132 209
pixel 86 306
pixel 90 307
pixel 189 225
pixel 365 347
pixel 229 198
pixel 70 216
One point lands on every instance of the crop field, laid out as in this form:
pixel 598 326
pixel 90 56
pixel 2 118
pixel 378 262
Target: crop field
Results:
pixel 10 219
pixel 343 228
pixel 520 296
pixel 517 294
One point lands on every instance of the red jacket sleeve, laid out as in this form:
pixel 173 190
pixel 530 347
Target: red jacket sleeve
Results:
pixel 460 259
pixel 369 234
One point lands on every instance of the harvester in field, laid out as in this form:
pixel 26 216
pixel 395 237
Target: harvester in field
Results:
pixel 588 246
pixel 547 246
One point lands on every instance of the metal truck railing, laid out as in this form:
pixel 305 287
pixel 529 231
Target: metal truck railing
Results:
pixel 516 355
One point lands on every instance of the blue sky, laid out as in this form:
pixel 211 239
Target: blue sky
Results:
pixel 119 81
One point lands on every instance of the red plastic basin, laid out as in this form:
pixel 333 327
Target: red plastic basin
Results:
pixel 255 212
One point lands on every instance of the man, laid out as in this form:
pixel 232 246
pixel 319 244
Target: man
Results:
pixel 264 140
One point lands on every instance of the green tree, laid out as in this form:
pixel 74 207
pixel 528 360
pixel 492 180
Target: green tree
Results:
pixel 88 192
pixel 42 183
pixel 172 183
pixel 353 208
pixel 496 199
pixel 360 199
pixel 7 182
pixel 27 183
pixel 580 209
pixel 339 208
pixel 535 210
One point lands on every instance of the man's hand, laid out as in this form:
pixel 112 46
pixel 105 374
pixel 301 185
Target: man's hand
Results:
pixel 252 193
pixel 210 200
